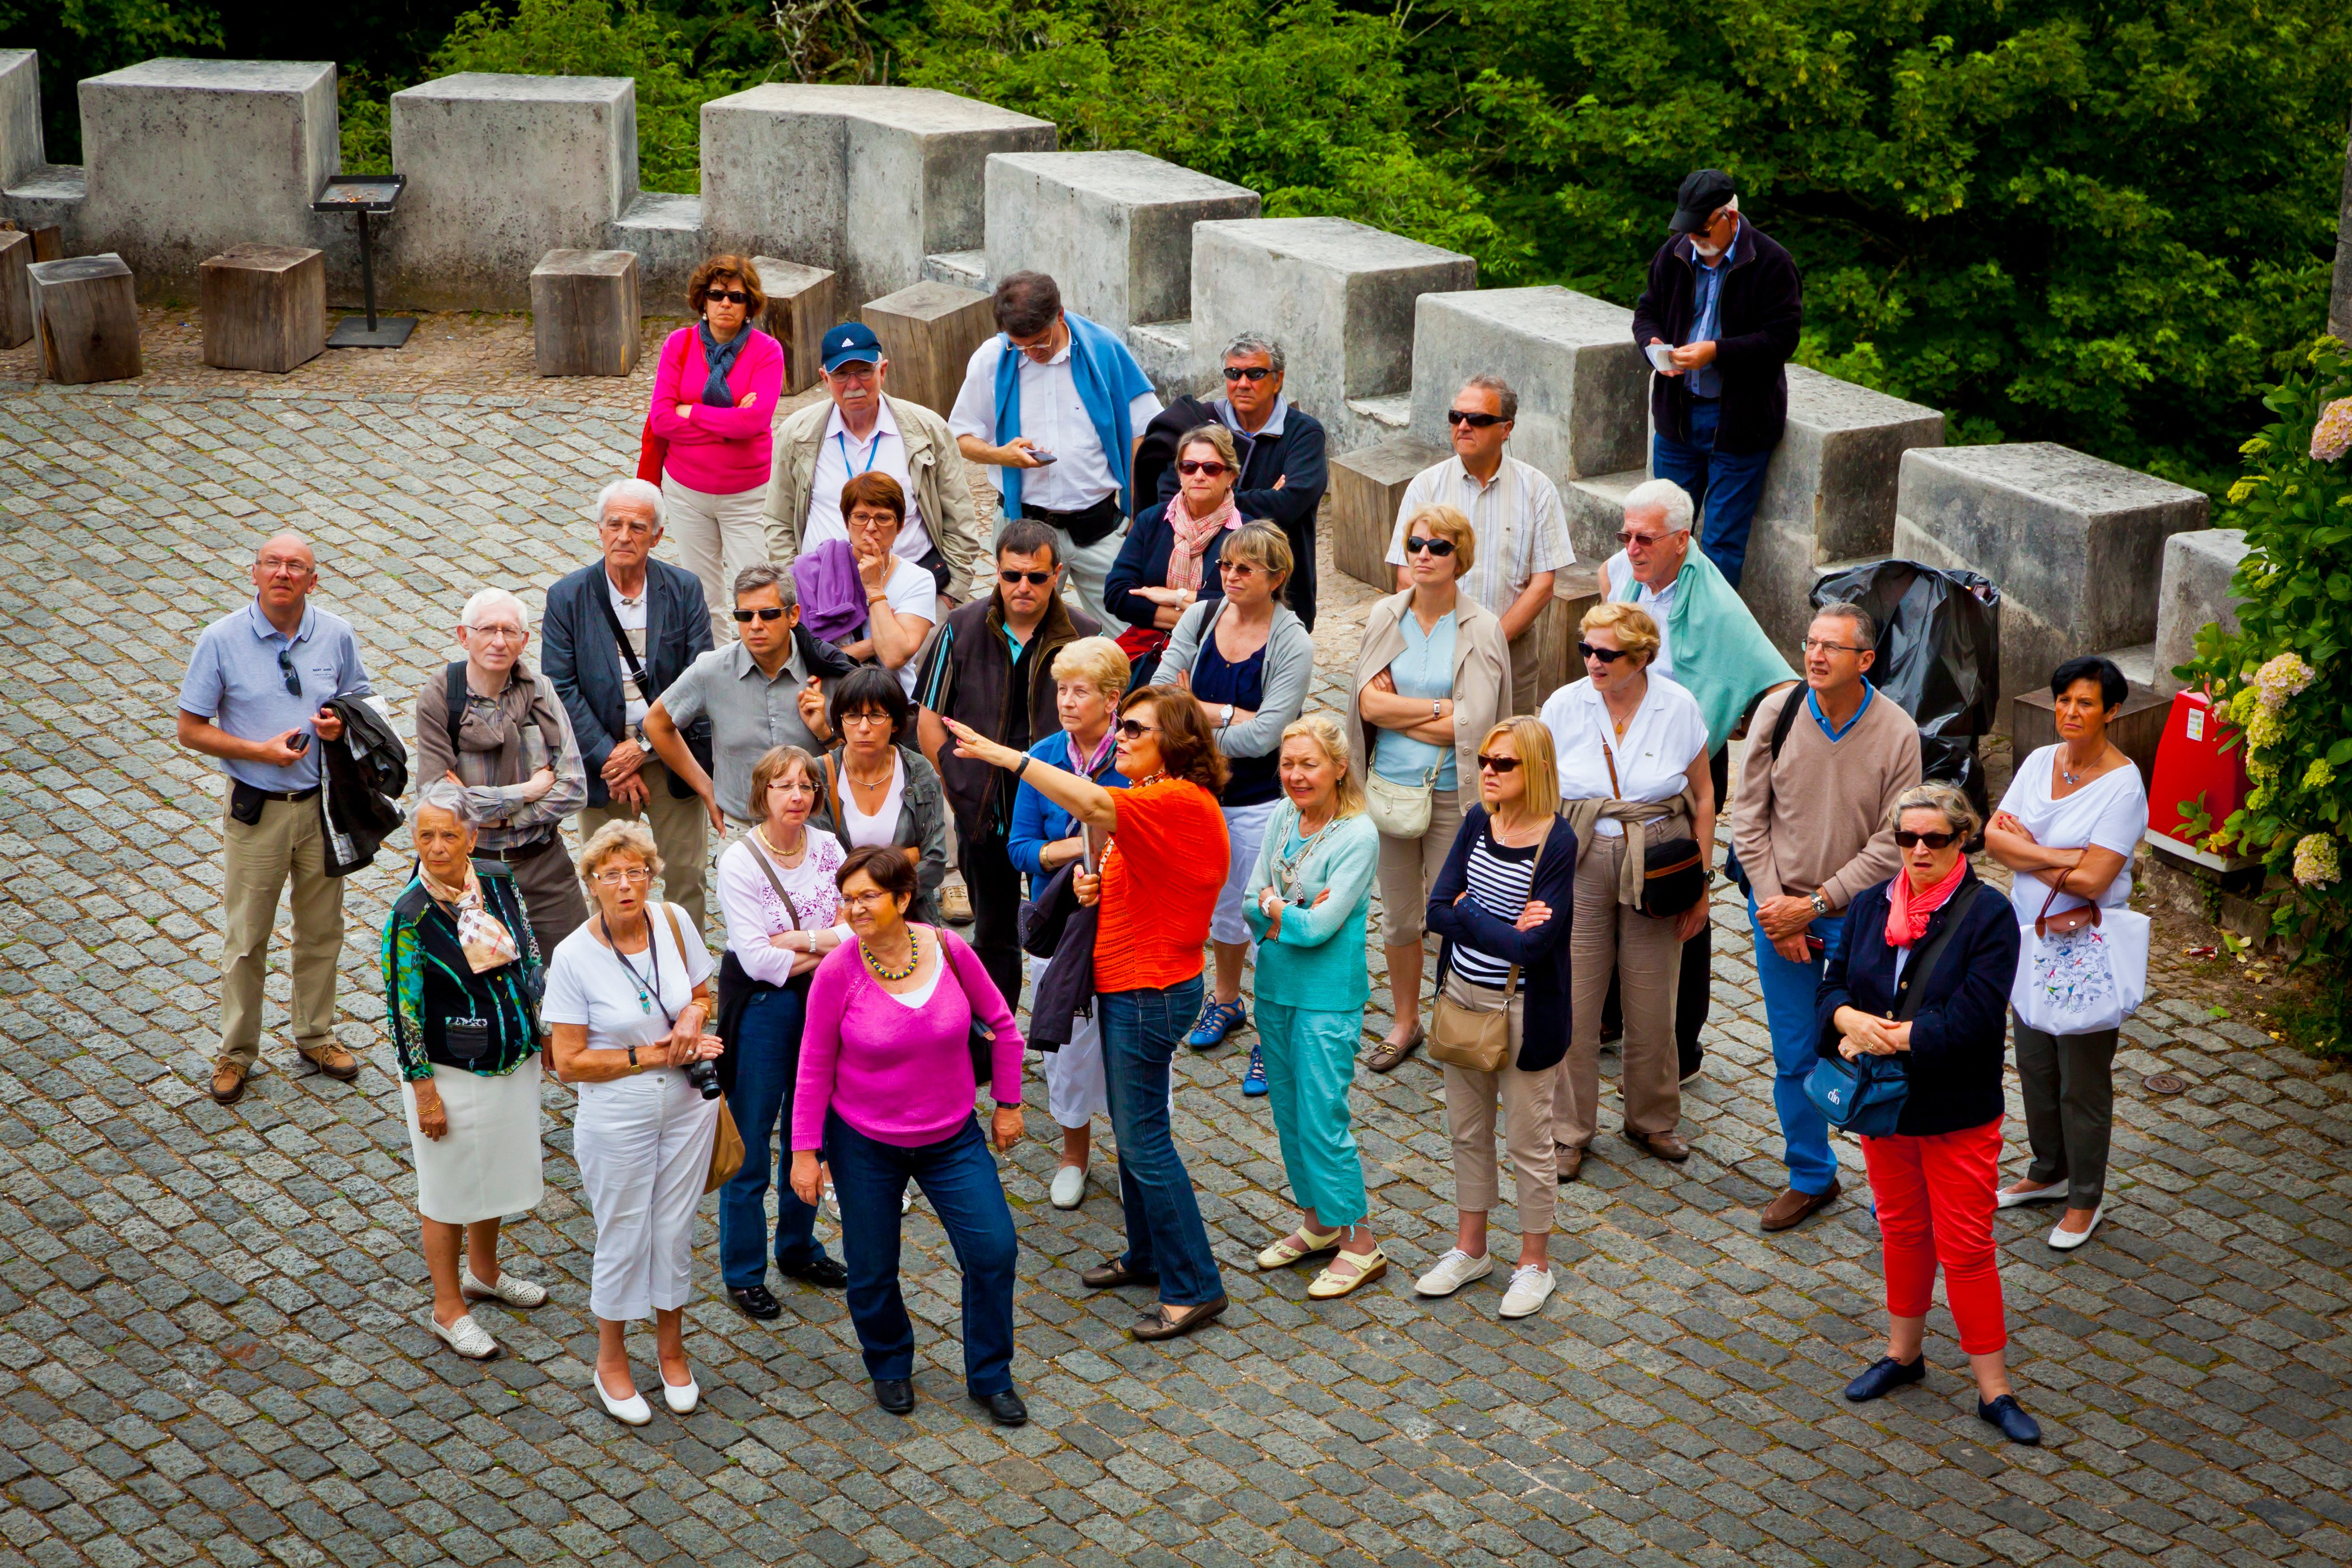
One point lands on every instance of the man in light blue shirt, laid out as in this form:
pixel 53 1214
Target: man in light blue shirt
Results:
pixel 255 697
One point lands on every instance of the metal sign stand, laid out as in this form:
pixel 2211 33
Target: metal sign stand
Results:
pixel 360 196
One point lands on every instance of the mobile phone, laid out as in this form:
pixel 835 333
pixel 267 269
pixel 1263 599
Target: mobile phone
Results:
pixel 299 744
pixel 1043 458
pixel 1816 943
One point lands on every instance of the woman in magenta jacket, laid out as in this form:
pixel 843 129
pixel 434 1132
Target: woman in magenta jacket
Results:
pixel 715 396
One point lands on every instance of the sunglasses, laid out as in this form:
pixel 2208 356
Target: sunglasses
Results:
pixel 1235 568
pixel 732 296
pixel 1195 466
pixel 1487 764
pixel 1246 372
pixel 1036 579
pixel 1646 541
pixel 1475 421
pixel 765 612
pixel 1133 730
pixel 1605 655
pixel 286 669
pixel 1905 839
pixel 1415 544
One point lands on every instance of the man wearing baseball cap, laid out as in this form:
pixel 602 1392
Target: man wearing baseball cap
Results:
pixel 825 446
pixel 1719 319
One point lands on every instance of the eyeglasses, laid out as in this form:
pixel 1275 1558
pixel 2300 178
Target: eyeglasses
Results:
pixel 884 518
pixel 1236 568
pixel 1605 655
pixel 1907 839
pixel 855 370
pixel 283 566
pixel 504 634
pixel 1811 643
pixel 1035 579
pixel 863 717
pixel 1415 544
pixel 1132 730
pixel 625 877
pixel 1632 541
pixel 1195 466
pixel 868 900
pixel 1487 764
pixel 732 296
pixel 1475 421
pixel 1246 372
pixel 286 669
pixel 765 612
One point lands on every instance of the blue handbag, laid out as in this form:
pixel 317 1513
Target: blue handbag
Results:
pixel 1865 1095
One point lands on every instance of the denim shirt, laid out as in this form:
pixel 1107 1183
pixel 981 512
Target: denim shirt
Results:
pixel 1706 299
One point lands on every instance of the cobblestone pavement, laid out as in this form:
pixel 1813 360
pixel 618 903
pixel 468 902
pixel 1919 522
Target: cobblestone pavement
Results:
pixel 210 1339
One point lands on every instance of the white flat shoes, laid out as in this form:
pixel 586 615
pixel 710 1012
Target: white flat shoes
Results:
pixel 681 1397
pixel 2049 1194
pixel 2068 1240
pixel 1069 1188
pixel 514 1292
pixel 465 1336
pixel 631 1411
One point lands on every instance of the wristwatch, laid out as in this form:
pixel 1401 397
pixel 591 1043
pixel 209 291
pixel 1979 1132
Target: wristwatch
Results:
pixel 1437 707
pixel 1821 904
pixel 633 1060
pixel 1228 717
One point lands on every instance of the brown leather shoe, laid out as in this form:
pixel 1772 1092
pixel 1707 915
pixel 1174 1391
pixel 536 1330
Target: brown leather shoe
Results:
pixel 1665 1145
pixel 1166 1322
pixel 1567 1163
pixel 334 1061
pixel 1792 1207
pixel 229 1082
pixel 1389 1053
pixel 1112 1273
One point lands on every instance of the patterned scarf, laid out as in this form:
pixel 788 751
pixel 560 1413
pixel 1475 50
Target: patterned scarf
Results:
pixel 1192 536
pixel 1907 912
pixel 487 943
pixel 719 358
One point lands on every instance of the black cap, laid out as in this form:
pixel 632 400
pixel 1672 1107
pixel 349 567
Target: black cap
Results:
pixel 1704 191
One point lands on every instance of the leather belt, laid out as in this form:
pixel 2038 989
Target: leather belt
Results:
pixel 519 852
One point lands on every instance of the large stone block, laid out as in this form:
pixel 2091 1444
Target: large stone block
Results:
pixel 666 232
pixel 2075 544
pixel 1339 295
pixel 1368 486
pixel 929 332
pixel 185 159
pixel 20 115
pixel 501 170
pixel 2193 593
pixel 865 181
pixel 1583 386
pixel 1115 229
pixel 1829 494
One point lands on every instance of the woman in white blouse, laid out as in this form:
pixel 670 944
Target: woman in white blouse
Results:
pixel 782 910
pixel 877 789
pixel 1632 753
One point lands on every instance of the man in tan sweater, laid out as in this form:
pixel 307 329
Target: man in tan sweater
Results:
pixel 1824 762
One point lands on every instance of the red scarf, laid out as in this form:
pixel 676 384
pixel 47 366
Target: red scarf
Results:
pixel 1907 912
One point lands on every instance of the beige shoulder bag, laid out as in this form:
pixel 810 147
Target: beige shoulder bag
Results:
pixel 1478 1039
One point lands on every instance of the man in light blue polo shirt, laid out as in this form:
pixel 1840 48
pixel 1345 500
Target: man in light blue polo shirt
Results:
pixel 255 697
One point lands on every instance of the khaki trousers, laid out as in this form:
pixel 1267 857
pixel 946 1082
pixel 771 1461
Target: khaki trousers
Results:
pixel 1526 1098
pixel 255 862
pixel 677 827
pixel 1409 869
pixel 551 897
pixel 1525 698
pixel 1606 940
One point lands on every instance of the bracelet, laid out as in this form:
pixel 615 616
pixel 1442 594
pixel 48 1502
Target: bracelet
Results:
pixel 876 598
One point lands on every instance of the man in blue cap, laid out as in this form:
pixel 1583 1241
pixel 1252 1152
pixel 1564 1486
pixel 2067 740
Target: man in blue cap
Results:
pixel 1719 319
pixel 825 446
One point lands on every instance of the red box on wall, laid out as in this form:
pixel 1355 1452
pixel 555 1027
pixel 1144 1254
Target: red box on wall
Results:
pixel 2189 763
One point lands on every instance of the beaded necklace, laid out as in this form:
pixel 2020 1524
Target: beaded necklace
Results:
pixel 914 959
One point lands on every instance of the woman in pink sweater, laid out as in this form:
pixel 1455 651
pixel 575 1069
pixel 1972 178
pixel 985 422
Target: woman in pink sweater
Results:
pixel 715 394
pixel 886 1093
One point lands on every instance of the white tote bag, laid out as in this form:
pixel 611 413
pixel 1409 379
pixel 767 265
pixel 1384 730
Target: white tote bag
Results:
pixel 2082 980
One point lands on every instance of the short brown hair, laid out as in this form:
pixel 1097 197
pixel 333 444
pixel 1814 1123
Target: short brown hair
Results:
pixel 1444 522
pixel 1188 746
pixel 739 268
pixel 775 763
pixel 872 489
pixel 1025 304
pixel 1216 435
pixel 886 866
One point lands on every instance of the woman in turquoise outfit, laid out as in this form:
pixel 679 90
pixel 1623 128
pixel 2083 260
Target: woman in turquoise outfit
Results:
pixel 1306 903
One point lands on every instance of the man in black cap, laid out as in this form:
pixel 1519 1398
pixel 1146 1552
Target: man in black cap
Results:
pixel 1719 319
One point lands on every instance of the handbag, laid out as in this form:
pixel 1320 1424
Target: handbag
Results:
pixel 726 1152
pixel 1477 1039
pixel 1673 873
pixel 652 451
pixel 2083 981
pixel 1865 1095
pixel 1399 810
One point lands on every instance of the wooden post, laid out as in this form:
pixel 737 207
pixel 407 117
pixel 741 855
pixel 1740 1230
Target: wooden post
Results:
pixel 89 316
pixel 803 301
pixel 16 289
pixel 265 307
pixel 1367 486
pixel 585 312
pixel 928 332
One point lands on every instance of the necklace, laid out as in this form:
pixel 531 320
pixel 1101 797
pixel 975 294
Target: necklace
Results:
pixel 914 958
pixel 781 857
pixel 1287 867
pixel 2068 774
pixel 1149 779
pixel 872 784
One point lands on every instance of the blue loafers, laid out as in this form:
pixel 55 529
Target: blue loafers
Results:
pixel 2011 1418
pixel 1218 1020
pixel 1254 1080
pixel 1883 1376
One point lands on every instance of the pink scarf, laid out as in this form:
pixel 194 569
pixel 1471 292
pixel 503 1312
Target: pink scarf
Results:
pixel 1907 912
pixel 1192 536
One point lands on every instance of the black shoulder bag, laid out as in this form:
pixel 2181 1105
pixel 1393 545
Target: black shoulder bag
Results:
pixel 697 735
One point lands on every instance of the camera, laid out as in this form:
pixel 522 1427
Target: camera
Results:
pixel 704 1076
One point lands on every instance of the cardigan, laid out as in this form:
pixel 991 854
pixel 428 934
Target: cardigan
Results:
pixel 427 980
pixel 1959 1033
pixel 1037 822
pixel 720 451
pixel 1289 670
pixel 1143 564
pixel 1759 317
pixel 1482 683
pixel 1316 961
pixel 1542 953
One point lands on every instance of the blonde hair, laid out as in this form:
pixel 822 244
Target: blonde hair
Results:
pixel 1220 438
pixel 1098 659
pixel 1325 730
pixel 1262 545
pixel 1536 760
pixel 1636 631
pixel 777 763
pixel 1439 518
pixel 620 837
pixel 1959 816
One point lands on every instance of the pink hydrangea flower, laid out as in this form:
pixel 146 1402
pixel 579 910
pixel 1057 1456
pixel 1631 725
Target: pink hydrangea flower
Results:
pixel 2331 436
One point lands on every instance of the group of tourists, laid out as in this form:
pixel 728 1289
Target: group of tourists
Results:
pixel 1098 713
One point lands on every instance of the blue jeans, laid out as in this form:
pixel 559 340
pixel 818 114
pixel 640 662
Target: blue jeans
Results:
pixel 1725 488
pixel 959 1179
pixel 1789 996
pixel 767 1061
pixel 1164 1233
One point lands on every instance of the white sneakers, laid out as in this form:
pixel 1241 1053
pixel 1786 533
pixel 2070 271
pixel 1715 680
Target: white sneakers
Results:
pixel 2068 1240
pixel 465 1336
pixel 514 1292
pixel 1531 1285
pixel 1451 1272
pixel 631 1411
pixel 1069 1188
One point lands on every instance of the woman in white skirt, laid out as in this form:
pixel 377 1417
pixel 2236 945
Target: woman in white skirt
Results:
pixel 628 997
pixel 461 975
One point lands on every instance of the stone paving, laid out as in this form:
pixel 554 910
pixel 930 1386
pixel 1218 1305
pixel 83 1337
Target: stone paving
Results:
pixel 210 1340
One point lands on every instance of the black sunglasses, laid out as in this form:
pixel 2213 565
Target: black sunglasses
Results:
pixel 286 668
pixel 1132 730
pixel 1195 466
pixel 1246 372
pixel 1907 839
pixel 1038 578
pixel 732 296
pixel 1475 421
pixel 765 612
pixel 1414 545
pixel 1605 655
pixel 1487 764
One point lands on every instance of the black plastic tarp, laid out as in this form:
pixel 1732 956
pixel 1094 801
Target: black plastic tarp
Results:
pixel 1938 656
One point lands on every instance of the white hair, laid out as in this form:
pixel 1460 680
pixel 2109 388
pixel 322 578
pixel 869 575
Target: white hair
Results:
pixel 442 795
pixel 1666 495
pixel 630 489
pixel 490 600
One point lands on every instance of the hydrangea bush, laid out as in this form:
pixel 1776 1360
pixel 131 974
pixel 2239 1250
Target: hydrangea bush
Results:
pixel 2284 677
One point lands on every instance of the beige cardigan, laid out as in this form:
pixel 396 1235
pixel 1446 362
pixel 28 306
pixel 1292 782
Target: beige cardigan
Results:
pixel 1482 683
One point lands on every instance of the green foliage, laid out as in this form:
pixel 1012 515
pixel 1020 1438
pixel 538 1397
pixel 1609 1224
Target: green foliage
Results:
pixel 363 108
pixel 2286 674
pixel 79 38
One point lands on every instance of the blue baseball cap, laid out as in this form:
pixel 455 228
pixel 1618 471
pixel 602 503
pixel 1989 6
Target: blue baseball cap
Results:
pixel 852 342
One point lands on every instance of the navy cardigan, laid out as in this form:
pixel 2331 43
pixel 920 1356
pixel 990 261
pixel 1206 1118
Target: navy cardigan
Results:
pixel 1542 953
pixel 1143 564
pixel 1959 1032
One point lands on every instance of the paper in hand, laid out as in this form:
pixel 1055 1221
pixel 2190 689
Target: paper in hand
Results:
pixel 1663 358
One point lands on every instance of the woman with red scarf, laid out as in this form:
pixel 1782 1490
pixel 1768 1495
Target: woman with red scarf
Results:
pixel 1170 559
pixel 1946 1020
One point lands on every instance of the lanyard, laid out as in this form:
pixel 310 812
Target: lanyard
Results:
pixel 873 449
pixel 647 1000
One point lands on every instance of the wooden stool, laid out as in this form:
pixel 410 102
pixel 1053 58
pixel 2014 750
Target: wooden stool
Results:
pixel 89 317
pixel 16 289
pixel 803 301
pixel 1367 486
pixel 928 332
pixel 585 314
pixel 265 307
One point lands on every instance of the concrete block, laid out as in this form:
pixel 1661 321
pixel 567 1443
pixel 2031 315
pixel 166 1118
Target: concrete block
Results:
pixel 1115 229
pixel 803 301
pixel 2135 730
pixel 666 232
pixel 1339 296
pixel 501 170
pixel 1583 387
pixel 264 307
pixel 867 181
pixel 188 158
pixel 49 201
pixel 584 307
pixel 20 115
pixel 16 324
pixel 928 332
pixel 1596 514
pixel 1368 485
pixel 87 310
pixel 964 268
pixel 2075 544
pixel 1164 350
pixel 2192 593
pixel 1829 494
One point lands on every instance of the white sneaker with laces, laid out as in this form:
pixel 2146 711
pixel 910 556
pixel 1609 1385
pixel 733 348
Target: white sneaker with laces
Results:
pixel 1451 1272
pixel 465 1336
pixel 1531 1285
pixel 514 1292
pixel 1069 1188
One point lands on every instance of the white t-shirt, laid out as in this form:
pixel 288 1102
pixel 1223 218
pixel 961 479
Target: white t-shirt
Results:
pixel 1054 419
pixel 632 616
pixel 839 458
pixel 1666 733
pixel 2110 812
pixel 911 591
pixel 881 829
pixel 1650 602
pixel 587 983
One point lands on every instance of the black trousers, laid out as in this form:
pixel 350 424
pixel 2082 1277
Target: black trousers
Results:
pixel 994 884
pixel 1299 592
pixel 1694 988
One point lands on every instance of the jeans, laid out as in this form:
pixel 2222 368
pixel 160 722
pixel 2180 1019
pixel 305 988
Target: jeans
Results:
pixel 1789 990
pixel 767 1061
pixel 959 1179
pixel 1164 1233
pixel 1724 487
